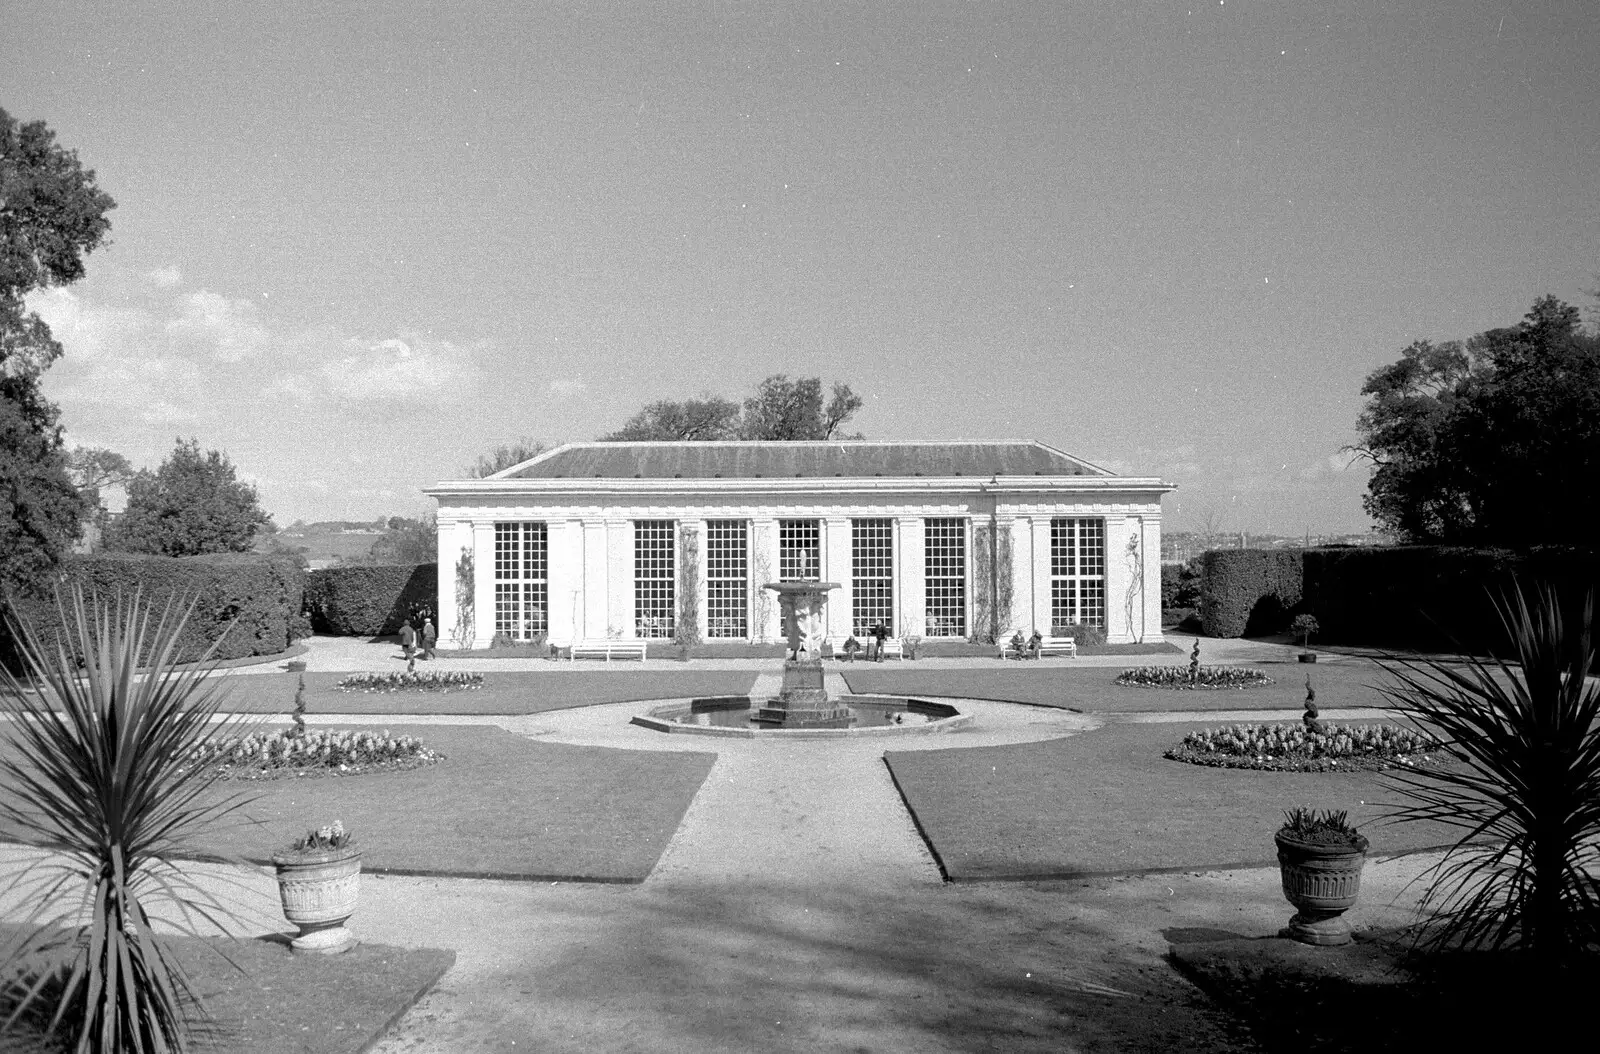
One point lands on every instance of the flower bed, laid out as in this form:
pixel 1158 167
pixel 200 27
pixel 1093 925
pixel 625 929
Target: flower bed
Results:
pixel 291 755
pixel 432 681
pixel 1193 677
pixel 1292 747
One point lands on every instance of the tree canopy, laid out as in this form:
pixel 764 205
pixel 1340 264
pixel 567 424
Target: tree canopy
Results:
pixel 781 408
pixel 1490 441
pixel 93 468
pixel 51 215
pixel 193 504
pixel 504 456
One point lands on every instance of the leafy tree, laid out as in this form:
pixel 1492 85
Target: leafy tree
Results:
pixel 785 409
pixel 92 468
pixel 504 456
pixel 51 216
pixel 700 420
pixel 780 409
pixel 192 504
pixel 407 541
pixel 1490 441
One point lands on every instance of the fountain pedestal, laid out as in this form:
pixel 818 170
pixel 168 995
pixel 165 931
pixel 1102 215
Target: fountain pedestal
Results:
pixel 803 700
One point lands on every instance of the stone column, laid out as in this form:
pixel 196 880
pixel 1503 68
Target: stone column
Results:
pixel 910 576
pixel 455 537
pixel 1120 575
pixel 483 582
pixel 1152 579
pixel 836 568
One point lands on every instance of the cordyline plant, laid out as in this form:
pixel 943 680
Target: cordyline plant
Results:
pixel 98 777
pixel 1527 794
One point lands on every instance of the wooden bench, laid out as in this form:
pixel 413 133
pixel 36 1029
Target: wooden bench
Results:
pixel 607 649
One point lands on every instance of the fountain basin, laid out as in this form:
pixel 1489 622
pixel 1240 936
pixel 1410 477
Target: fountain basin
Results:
pixel 738 717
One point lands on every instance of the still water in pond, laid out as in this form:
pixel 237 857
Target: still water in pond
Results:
pixel 867 715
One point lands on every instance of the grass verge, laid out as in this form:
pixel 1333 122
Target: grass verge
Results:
pixel 1107 802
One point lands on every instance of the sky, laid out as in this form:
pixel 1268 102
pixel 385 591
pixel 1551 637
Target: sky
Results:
pixel 357 245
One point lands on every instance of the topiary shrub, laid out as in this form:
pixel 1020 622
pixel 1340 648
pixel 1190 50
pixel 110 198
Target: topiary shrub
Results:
pixel 250 602
pixel 370 600
pixel 1249 590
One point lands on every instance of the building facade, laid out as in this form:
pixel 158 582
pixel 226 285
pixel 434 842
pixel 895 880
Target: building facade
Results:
pixel 675 541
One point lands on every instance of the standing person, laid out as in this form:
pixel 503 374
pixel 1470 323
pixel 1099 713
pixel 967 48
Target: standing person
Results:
pixel 429 637
pixel 880 633
pixel 408 639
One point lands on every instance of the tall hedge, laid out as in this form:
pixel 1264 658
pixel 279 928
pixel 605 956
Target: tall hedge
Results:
pixel 370 600
pixel 1401 597
pixel 250 602
pixel 1249 590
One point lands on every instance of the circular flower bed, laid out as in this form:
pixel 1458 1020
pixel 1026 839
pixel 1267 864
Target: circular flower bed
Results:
pixel 432 681
pixel 1193 677
pixel 290 755
pixel 1292 747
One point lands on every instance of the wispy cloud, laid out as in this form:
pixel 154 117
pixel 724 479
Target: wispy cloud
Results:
pixel 567 387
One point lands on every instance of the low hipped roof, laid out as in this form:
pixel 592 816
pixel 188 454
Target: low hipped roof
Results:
pixel 809 460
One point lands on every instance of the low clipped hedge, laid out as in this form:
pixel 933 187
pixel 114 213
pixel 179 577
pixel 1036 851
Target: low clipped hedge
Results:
pixel 370 600
pixel 249 601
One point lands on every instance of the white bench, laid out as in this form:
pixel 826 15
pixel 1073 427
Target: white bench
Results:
pixel 892 649
pixel 607 649
pixel 1047 646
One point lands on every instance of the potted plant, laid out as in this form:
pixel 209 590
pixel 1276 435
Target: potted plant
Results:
pixel 319 878
pixel 1319 857
pixel 908 644
pixel 1305 626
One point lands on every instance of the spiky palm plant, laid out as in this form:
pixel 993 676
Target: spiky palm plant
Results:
pixel 1527 792
pixel 98 776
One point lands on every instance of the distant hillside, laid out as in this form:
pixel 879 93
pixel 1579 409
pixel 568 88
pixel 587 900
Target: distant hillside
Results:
pixel 322 544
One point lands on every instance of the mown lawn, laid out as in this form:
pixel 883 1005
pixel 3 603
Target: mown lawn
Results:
pixel 1107 802
pixel 512 692
pixel 1089 689
pixel 499 806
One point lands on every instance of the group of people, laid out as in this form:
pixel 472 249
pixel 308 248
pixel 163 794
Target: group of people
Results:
pixel 879 633
pixel 411 641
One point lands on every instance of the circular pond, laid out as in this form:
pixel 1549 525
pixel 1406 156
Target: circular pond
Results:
pixel 862 715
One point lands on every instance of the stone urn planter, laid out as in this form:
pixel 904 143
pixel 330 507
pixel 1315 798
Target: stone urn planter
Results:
pixel 319 880
pixel 1320 862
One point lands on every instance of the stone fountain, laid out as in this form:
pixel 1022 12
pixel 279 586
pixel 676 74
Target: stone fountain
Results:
pixel 803 700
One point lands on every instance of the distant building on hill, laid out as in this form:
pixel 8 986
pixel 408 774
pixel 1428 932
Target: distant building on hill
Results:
pixel 937 540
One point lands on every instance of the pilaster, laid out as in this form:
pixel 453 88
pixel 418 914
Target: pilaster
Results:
pixel 910 573
pixel 595 584
pixel 482 582
pixel 566 580
pixel 836 568
pixel 618 592
pixel 1039 575
pixel 764 619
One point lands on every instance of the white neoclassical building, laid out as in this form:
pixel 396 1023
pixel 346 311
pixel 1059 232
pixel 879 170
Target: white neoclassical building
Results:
pixel 675 541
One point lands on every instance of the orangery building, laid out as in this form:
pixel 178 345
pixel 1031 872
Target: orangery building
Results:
pixel 675 541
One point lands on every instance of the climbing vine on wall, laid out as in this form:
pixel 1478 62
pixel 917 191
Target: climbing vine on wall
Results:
pixel 983 629
pixel 1135 584
pixel 763 596
pixel 688 628
pixel 465 580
